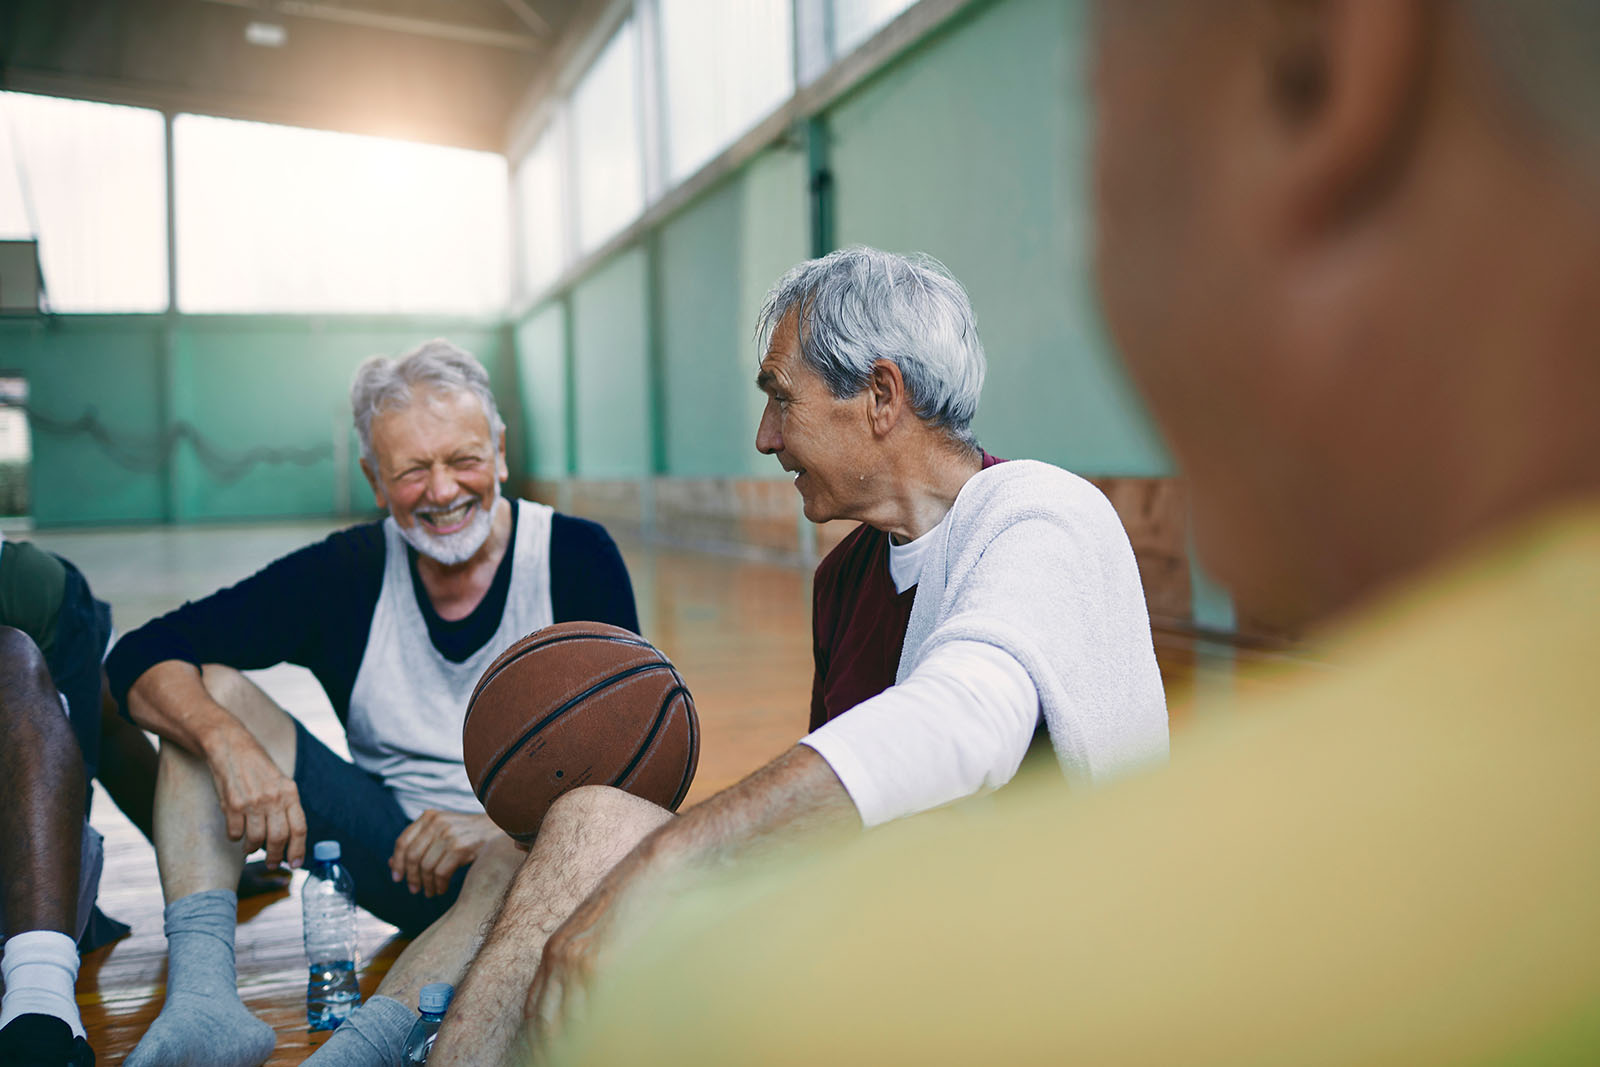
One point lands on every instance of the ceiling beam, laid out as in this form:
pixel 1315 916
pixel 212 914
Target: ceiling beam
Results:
pixel 445 31
pixel 530 18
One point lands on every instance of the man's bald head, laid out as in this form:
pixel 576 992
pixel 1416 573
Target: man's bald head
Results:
pixel 1348 249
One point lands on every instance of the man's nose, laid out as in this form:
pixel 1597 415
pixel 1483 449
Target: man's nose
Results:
pixel 441 485
pixel 768 440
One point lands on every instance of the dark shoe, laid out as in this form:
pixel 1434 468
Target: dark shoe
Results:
pixel 257 878
pixel 35 1040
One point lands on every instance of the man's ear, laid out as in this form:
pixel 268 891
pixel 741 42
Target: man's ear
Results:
pixel 1347 81
pixel 377 488
pixel 501 470
pixel 886 396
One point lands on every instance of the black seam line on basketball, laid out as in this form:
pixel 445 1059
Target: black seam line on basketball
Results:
pixel 649 738
pixel 693 762
pixel 488 779
pixel 494 670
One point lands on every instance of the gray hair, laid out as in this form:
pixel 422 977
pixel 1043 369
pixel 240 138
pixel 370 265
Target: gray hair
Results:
pixel 858 305
pixel 383 384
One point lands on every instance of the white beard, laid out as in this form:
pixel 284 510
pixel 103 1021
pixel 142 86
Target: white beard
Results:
pixel 458 547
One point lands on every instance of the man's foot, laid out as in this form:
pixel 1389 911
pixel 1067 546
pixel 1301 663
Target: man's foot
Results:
pixel 203 1023
pixel 204 1031
pixel 35 1040
pixel 373 1036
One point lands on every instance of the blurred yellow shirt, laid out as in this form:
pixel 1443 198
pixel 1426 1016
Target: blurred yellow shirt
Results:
pixel 1394 858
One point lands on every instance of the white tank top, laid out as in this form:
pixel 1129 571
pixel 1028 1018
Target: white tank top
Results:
pixel 409 701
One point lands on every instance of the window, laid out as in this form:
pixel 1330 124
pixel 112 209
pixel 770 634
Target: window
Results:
pixel 726 65
pixel 541 205
pixel 276 218
pixel 89 182
pixel 856 20
pixel 605 117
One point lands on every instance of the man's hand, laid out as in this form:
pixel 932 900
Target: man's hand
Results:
pixel 438 844
pixel 570 958
pixel 259 801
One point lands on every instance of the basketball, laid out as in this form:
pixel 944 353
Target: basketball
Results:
pixel 577 703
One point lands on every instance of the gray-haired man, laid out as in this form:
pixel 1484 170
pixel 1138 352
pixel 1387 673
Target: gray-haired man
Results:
pixel 977 600
pixel 397 620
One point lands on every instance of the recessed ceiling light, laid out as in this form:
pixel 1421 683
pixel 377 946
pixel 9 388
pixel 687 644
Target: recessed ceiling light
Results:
pixel 266 34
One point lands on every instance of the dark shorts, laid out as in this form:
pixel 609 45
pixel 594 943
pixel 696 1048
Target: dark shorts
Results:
pixel 344 803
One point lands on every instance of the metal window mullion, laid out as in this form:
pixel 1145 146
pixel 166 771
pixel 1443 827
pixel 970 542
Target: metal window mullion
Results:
pixel 648 97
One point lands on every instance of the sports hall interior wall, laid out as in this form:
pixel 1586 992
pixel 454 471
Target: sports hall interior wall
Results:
pixel 628 389
pixel 991 101
pixel 154 418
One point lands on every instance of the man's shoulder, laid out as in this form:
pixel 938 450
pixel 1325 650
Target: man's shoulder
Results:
pixel 1022 489
pixel 570 534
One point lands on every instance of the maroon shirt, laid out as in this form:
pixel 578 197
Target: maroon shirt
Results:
pixel 858 622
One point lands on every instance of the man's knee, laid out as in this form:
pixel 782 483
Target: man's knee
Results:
pixel 602 812
pixel 227 686
pixel 22 666
pixel 269 724
pixel 28 696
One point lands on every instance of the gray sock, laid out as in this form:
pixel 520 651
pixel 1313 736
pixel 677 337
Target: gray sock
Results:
pixel 203 1023
pixel 374 1035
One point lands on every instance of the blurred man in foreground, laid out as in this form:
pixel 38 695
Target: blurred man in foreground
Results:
pixel 1351 251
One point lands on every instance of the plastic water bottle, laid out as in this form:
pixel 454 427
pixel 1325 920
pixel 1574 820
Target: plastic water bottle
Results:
pixel 431 1002
pixel 328 906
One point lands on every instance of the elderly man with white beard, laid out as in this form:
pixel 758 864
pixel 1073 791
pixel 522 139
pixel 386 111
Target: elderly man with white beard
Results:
pixel 397 619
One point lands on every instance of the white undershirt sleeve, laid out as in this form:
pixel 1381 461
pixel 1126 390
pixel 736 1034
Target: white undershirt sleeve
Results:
pixel 961 723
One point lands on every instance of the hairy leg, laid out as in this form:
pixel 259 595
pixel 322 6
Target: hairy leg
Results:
pixel 585 834
pixel 193 849
pixel 375 1033
pixel 41 793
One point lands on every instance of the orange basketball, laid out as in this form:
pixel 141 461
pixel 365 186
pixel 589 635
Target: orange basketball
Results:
pixel 577 703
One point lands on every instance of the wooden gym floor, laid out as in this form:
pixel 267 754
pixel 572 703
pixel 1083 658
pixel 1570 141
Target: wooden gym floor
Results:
pixel 738 630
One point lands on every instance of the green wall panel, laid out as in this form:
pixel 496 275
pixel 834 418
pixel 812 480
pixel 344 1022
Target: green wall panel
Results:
pixel 611 342
pixel 541 342
pixel 247 382
pixel 108 368
pixel 973 149
pixel 718 259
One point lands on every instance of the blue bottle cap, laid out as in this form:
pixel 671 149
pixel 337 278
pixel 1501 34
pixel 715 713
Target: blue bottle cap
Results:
pixel 435 997
pixel 325 851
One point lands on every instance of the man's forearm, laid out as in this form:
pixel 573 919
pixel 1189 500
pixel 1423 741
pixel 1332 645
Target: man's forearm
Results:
pixel 791 798
pixel 170 700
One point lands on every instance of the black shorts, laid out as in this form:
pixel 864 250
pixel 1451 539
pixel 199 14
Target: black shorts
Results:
pixel 344 803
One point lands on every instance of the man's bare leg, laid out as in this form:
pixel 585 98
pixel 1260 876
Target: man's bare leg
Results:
pixel 41 794
pixel 203 1020
pixel 375 1032
pixel 585 834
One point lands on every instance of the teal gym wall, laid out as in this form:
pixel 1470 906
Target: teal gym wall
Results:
pixel 238 383
pixel 969 146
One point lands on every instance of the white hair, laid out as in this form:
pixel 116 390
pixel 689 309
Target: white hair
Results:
pixel 384 384
pixel 858 305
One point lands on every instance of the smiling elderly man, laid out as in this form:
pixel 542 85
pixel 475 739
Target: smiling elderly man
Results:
pixel 977 600
pixel 397 619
